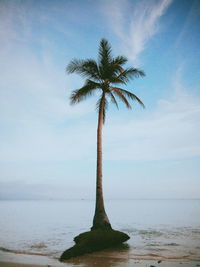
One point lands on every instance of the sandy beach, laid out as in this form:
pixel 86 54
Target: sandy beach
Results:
pixel 134 264
pixel 11 264
pixel 98 259
pixel 32 237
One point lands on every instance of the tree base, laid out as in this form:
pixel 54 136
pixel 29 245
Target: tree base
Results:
pixel 105 226
pixel 94 240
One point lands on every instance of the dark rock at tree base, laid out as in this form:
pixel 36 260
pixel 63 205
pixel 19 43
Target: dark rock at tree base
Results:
pixel 93 241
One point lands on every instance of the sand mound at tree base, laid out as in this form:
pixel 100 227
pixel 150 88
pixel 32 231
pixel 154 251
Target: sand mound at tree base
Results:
pixel 94 240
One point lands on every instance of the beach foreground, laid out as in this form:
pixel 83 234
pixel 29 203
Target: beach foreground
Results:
pixel 98 259
pixel 134 264
pixel 37 232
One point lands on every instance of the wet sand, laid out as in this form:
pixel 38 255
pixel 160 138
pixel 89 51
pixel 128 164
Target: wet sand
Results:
pixel 97 259
pixel 11 264
pixel 102 264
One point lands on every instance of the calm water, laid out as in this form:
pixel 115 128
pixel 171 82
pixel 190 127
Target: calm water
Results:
pixel 166 228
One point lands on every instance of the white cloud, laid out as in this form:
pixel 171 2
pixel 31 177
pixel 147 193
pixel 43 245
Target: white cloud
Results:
pixel 34 141
pixel 35 114
pixel 32 190
pixel 36 118
pixel 33 86
pixel 136 28
pixel 37 121
pixel 171 131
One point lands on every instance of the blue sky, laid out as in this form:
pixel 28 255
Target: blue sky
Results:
pixel 48 148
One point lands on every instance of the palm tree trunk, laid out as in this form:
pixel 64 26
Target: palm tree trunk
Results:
pixel 100 220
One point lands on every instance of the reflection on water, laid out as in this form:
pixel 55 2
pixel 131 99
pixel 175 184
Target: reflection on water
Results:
pixel 107 257
pixel 159 230
pixel 167 243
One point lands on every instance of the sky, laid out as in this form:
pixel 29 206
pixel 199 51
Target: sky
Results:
pixel 48 147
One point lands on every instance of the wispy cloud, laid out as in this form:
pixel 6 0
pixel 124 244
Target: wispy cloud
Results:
pixel 191 22
pixel 135 23
pixel 35 114
pixel 32 190
pixel 33 86
pixel 170 132
pixel 36 119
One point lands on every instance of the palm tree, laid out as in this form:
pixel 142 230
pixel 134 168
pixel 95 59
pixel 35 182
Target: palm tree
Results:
pixel 103 76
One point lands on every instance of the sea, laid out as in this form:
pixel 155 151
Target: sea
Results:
pixel 158 229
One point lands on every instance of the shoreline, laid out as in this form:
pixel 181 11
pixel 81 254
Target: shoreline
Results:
pixel 97 259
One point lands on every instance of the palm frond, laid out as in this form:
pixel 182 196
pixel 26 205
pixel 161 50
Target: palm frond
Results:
pixel 105 107
pixel 130 95
pixel 118 92
pixel 75 65
pixel 102 103
pixel 109 67
pixel 119 60
pixel 86 68
pixel 104 52
pixel 116 65
pixel 85 91
pixel 105 59
pixel 116 80
pixel 113 99
pixel 130 73
pixel 104 74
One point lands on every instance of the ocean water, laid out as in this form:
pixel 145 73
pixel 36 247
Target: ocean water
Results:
pixel 166 229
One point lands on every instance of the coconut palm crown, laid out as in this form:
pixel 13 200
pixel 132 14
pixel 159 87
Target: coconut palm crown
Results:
pixel 104 76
